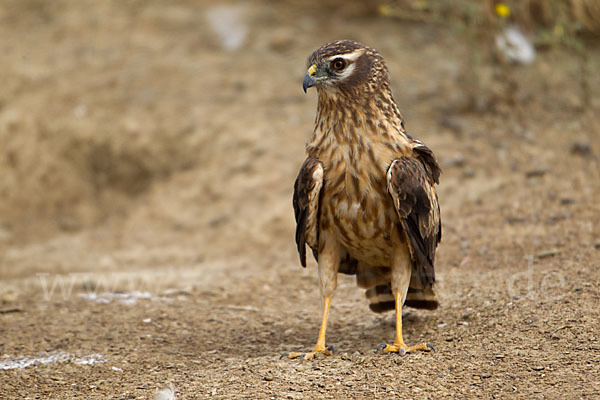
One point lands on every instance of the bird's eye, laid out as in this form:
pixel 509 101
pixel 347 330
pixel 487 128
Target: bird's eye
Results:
pixel 338 64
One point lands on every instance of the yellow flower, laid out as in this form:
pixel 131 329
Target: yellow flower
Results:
pixel 559 31
pixel 384 10
pixel 502 10
pixel 420 4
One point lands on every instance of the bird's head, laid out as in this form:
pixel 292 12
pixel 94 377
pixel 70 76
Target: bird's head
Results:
pixel 344 65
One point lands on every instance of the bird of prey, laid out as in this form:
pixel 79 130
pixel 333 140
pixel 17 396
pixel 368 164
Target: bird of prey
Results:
pixel 365 199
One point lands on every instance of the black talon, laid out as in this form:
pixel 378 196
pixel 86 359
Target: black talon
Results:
pixel 331 349
pixel 302 356
pixel 284 355
pixel 381 347
pixel 402 352
pixel 430 347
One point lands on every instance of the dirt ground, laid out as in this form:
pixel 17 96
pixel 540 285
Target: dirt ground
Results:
pixel 146 227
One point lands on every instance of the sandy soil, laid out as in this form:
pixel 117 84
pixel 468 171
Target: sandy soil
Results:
pixel 146 229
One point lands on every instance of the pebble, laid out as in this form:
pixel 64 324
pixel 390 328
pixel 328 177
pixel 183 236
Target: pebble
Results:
pixel 547 253
pixel 536 172
pixel 8 297
pixel 537 368
pixel 469 172
pixel 581 149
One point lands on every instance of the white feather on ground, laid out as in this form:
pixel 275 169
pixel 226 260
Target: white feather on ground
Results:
pixel 166 394
pixel 515 46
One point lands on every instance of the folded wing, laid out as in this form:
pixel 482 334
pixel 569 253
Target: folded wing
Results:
pixel 306 200
pixel 411 183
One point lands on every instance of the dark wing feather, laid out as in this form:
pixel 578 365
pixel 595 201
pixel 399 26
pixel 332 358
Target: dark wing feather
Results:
pixel 306 201
pixel 410 183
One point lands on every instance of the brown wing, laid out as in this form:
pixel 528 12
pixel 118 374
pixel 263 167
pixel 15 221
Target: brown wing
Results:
pixel 307 198
pixel 410 183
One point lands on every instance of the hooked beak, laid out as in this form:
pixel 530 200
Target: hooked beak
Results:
pixel 309 80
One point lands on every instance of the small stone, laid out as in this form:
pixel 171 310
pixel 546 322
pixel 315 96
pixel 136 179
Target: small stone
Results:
pixel 537 368
pixel 8 297
pixel 511 219
pixel 581 149
pixel 547 253
pixel 536 172
pixel 268 378
pixel 469 172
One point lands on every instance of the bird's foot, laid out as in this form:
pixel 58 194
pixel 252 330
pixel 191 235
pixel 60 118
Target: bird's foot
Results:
pixel 328 351
pixel 403 349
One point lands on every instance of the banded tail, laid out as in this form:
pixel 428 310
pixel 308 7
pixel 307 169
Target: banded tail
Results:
pixel 377 281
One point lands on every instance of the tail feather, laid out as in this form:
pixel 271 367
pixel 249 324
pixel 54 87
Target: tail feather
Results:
pixel 421 298
pixel 377 281
pixel 381 298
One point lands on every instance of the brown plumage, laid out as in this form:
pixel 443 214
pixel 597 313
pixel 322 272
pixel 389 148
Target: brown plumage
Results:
pixel 364 199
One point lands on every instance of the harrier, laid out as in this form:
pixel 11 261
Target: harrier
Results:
pixel 365 199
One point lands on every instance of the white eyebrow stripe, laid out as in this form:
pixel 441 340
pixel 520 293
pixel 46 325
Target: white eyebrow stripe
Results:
pixel 348 56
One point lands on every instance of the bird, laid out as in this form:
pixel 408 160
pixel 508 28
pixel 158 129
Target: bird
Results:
pixel 365 199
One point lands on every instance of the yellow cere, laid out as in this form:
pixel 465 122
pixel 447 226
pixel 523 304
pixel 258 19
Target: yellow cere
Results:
pixel 502 10
pixel 312 70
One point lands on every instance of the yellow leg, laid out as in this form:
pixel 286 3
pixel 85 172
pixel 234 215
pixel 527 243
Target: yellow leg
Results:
pixel 399 346
pixel 320 346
